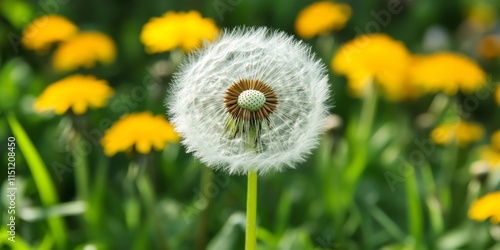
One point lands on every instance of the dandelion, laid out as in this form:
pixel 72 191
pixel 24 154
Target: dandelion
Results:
pixel 78 92
pixel 376 59
pixel 491 153
pixel 461 132
pixel 490 156
pixel 321 17
pixel 447 72
pixel 84 50
pixel 139 131
pixel 252 100
pixel 177 29
pixel 486 207
pixel 47 30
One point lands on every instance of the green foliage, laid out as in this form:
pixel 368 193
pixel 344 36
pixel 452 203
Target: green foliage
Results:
pixel 365 187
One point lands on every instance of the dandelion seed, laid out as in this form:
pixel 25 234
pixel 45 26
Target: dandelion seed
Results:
pixel 253 100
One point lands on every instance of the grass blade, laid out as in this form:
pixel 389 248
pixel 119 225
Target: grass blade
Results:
pixel 43 182
pixel 414 208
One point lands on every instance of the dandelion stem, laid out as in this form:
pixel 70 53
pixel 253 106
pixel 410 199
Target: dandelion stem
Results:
pixel 250 236
pixel 362 138
pixel 368 114
pixel 79 123
pixel 359 160
pixel 81 168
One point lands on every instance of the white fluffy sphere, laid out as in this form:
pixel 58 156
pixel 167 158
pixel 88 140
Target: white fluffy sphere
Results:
pixel 288 134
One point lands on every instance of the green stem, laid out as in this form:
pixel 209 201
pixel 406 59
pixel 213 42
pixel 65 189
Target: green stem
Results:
pixel 79 123
pixel 415 216
pixel 206 181
pixel 439 105
pixel 326 45
pixel 146 192
pixel 449 158
pixel 367 114
pixel 250 237
pixel 361 140
pixel 81 168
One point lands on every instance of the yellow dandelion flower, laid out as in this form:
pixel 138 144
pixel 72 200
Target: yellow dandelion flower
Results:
pixel 142 130
pixel 46 30
pixel 486 207
pixel 491 153
pixel 461 132
pixel 375 58
pixel 491 156
pixel 447 72
pixel 78 92
pixel 177 30
pixel 489 47
pixel 495 140
pixel 84 50
pixel 321 17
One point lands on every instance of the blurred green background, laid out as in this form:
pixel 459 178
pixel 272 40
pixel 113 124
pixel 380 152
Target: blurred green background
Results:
pixel 396 202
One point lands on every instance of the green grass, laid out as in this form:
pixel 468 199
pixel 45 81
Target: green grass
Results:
pixel 362 188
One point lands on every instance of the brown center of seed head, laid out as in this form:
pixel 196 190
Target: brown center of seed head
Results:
pixel 240 113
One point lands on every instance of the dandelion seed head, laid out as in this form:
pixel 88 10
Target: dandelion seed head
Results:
pixel 253 100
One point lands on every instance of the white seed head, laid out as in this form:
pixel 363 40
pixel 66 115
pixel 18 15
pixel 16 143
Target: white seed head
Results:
pixel 252 100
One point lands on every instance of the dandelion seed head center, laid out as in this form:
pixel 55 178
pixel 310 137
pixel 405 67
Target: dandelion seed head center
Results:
pixel 251 99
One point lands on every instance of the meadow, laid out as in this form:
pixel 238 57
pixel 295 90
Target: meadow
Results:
pixel 408 157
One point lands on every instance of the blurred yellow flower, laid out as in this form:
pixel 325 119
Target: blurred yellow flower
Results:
pixel 486 207
pixel 78 92
pixel 491 156
pixel 321 17
pixel 84 50
pixel 491 153
pixel 489 47
pixel 482 15
pixel 447 72
pixel 142 130
pixel 375 58
pixel 495 140
pixel 461 132
pixel 46 30
pixel 177 29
